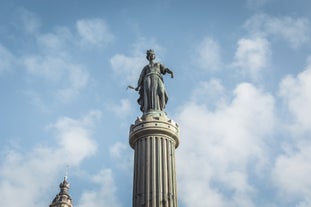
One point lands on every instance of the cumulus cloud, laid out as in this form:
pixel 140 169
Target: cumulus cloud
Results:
pixel 68 77
pixel 117 149
pixel 54 64
pixel 50 58
pixel 123 155
pixel 56 43
pixel 50 68
pixel 30 174
pixel 231 145
pixel 121 109
pixel 74 137
pixel 292 171
pixel 252 56
pixel 105 195
pixel 292 168
pixel 78 79
pixel 94 31
pixel 295 92
pixel 211 93
pixel 219 145
pixel 29 21
pixel 129 66
pixel 208 55
pixel 295 31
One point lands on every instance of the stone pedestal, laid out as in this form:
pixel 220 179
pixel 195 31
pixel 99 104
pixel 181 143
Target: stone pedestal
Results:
pixel 154 138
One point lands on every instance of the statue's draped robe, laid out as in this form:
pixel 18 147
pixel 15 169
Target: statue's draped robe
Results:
pixel 153 96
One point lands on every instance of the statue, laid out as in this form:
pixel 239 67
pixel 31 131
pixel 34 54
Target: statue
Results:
pixel 152 92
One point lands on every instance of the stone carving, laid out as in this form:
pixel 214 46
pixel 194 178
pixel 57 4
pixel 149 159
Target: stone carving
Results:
pixel 152 92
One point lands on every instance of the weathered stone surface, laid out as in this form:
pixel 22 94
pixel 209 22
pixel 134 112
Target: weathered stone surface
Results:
pixel 155 126
pixel 154 139
pixel 62 199
pixel 152 93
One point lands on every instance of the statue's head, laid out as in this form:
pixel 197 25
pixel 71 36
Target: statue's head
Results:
pixel 150 53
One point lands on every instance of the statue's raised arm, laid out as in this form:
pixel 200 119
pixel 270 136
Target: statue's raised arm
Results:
pixel 152 93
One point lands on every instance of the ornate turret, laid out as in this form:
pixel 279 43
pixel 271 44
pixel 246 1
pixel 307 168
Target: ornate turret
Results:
pixel 62 199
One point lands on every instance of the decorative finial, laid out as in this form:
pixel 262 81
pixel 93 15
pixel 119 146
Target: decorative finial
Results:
pixel 63 196
pixel 66 173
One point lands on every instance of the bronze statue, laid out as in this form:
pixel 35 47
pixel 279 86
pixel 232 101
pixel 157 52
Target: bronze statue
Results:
pixel 152 92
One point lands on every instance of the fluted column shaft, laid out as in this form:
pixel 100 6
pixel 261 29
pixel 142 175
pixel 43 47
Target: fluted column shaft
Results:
pixel 154 142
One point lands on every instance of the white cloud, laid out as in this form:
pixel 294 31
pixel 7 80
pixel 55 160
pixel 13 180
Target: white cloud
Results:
pixel 296 94
pixel 29 21
pixel 94 31
pixel 49 60
pixel 122 109
pixel 235 135
pixel 7 59
pixel 50 40
pixel 291 173
pixel 36 100
pixel 54 62
pixel 305 203
pixel 51 68
pixel 221 144
pixel 122 155
pixel 251 56
pixel 128 67
pixel 74 137
pixel 117 150
pixel 105 195
pixel 292 169
pixel 208 55
pixel 31 174
pixel 56 43
pixel 296 31
pixel 24 174
pixel 210 93
pixel 78 79
pixel 68 77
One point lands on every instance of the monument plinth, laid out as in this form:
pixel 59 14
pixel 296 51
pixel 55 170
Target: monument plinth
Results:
pixel 154 138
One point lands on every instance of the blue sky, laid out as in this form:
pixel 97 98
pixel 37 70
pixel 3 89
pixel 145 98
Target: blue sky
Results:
pixel 241 96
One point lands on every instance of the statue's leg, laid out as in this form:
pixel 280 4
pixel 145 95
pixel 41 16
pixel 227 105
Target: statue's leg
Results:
pixel 147 84
pixel 152 93
pixel 161 95
pixel 156 94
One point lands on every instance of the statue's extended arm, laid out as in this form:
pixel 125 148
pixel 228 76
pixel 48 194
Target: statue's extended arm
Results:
pixel 165 70
pixel 169 72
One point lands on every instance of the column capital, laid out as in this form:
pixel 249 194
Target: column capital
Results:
pixel 150 125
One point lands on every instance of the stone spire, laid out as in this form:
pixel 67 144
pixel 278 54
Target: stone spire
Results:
pixel 62 199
